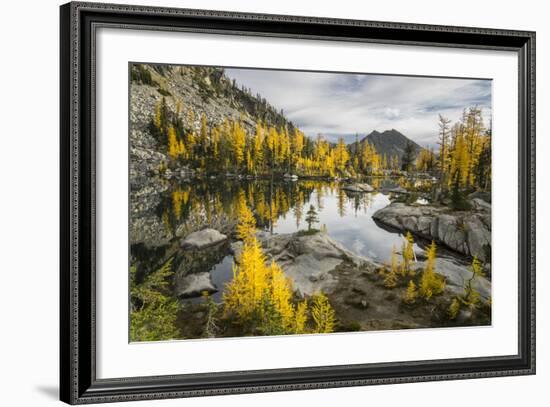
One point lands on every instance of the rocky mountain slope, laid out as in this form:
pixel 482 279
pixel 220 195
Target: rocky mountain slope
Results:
pixel 197 89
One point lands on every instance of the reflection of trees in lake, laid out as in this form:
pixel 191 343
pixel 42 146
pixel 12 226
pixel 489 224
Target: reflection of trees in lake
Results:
pixel 298 208
pixel 360 202
pixel 341 203
pixel 188 207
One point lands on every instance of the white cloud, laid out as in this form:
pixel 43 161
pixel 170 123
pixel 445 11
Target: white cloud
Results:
pixel 346 104
pixel 391 113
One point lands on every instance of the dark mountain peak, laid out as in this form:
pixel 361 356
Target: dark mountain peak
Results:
pixel 390 142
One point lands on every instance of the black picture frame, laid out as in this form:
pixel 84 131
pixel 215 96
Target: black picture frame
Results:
pixel 78 382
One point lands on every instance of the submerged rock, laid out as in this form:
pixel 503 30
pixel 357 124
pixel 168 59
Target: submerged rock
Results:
pixel 203 238
pixel 467 232
pixel 359 187
pixel 193 285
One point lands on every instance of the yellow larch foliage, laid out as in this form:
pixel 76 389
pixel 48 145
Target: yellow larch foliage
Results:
pixel 249 163
pixel 341 155
pixel 323 314
pixel 425 159
pixel 173 145
pixel 238 140
pixel 454 308
pixel 280 295
pixel 181 149
pixel 261 294
pixel 191 142
pixel 471 296
pixel 411 294
pixel 243 294
pixel 477 268
pixel 273 144
pixel 407 254
pixel 284 147
pixel 176 203
pixel 203 140
pixel 158 116
pixel 258 147
pixel 300 317
pixel 297 147
pixel 431 283
pixel 215 141
pixel 390 280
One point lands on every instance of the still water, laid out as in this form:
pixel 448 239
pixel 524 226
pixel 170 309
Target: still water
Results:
pixel 279 207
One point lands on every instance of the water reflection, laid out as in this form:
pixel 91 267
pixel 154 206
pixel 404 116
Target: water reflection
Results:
pixel 279 207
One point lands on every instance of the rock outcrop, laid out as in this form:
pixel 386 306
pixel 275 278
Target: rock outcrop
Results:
pixel 309 259
pixel 467 232
pixel 456 275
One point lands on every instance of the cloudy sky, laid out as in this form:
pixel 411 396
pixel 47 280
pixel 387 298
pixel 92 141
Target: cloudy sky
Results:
pixel 345 104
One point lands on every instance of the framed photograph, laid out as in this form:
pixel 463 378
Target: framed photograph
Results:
pixel 256 203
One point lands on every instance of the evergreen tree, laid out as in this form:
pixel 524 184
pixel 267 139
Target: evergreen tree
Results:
pixel 411 293
pixel 409 155
pixel 407 253
pixel 431 283
pixel 311 217
pixel 443 147
pixel 260 295
pixel 246 227
pixel 341 155
pixel 323 314
pixel 458 200
pixel 471 296
pixel 153 311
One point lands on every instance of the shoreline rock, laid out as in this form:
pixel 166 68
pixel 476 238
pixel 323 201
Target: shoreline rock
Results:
pixel 467 232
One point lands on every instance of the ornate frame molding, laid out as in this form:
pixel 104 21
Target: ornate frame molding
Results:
pixel 77 211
